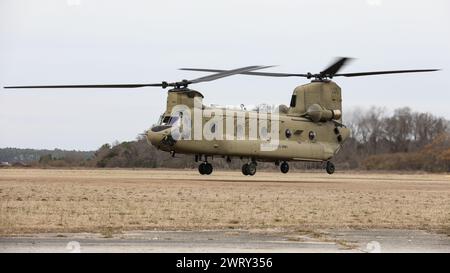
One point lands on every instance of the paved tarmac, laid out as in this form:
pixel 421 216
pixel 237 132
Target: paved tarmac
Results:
pixel 233 241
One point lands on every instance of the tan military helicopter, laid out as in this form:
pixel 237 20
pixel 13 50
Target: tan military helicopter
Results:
pixel 310 129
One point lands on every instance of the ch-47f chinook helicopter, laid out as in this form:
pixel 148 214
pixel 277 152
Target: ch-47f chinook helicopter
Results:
pixel 310 129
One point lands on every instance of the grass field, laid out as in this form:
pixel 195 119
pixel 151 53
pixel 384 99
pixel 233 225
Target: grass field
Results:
pixel 108 201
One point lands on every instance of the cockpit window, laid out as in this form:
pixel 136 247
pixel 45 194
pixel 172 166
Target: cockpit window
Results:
pixel 173 120
pixel 293 100
pixel 165 120
pixel 168 120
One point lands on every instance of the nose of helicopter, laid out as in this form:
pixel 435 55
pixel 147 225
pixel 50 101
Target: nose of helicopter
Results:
pixel 156 134
pixel 160 137
pixel 154 138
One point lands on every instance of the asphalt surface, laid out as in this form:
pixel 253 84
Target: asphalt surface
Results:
pixel 233 241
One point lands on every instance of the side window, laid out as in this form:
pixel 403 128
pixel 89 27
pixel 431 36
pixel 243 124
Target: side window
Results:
pixel 263 134
pixel 293 100
pixel 165 120
pixel 288 133
pixel 173 120
pixel 240 132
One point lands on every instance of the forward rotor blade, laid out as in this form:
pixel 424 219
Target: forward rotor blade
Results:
pixel 218 75
pixel 268 74
pixel 226 73
pixel 87 86
pixel 335 67
pixel 358 74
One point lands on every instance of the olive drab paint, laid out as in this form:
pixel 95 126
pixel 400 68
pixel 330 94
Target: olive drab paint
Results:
pixel 225 132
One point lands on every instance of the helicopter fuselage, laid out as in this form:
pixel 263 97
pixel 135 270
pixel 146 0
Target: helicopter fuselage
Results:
pixel 303 131
pixel 307 141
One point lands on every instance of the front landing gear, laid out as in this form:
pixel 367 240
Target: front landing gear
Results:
pixel 205 168
pixel 329 167
pixel 249 169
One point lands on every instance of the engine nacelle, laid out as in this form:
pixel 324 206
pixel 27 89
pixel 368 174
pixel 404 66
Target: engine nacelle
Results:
pixel 317 113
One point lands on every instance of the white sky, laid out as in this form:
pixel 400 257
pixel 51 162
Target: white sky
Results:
pixel 104 41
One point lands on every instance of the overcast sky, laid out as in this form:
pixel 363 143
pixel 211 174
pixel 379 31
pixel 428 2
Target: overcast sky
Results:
pixel 96 41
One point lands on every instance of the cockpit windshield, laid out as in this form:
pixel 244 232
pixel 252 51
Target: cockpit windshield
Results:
pixel 165 122
pixel 168 120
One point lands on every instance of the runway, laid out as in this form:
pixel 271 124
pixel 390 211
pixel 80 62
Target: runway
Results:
pixel 366 241
pixel 151 210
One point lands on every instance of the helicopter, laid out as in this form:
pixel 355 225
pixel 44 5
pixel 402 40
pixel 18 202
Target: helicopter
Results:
pixel 310 129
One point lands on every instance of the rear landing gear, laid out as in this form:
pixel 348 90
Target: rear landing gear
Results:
pixel 329 167
pixel 249 169
pixel 205 168
pixel 284 167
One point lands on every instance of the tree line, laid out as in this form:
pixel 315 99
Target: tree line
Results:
pixel 403 140
pixel 32 156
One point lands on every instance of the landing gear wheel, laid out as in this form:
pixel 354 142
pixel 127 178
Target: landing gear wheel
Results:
pixel 201 168
pixel 208 168
pixel 245 169
pixel 251 169
pixel 205 168
pixel 284 167
pixel 330 167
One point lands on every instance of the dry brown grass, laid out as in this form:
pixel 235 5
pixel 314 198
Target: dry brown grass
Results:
pixel 109 201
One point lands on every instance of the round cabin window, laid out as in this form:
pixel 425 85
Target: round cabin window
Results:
pixel 240 132
pixel 312 135
pixel 263 133
pixel 288 133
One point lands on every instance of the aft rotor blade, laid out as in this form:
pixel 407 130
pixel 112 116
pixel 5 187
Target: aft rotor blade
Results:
pixel 226 73
pixel 267 74
pixel 358 74
pixel 88 86
pixel 335 67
